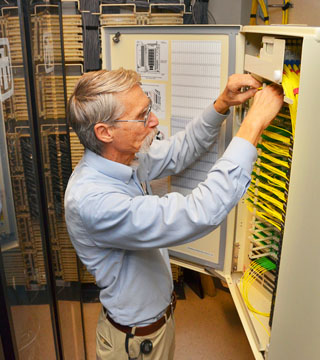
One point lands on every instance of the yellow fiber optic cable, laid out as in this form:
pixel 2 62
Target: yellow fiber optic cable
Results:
pixel 293 76
pixel 254 8
pixel 274 159
pixel 269 210
pixel 276 148
pixel 273 169
pixel 283 17
pixel 282 129
pixel 284 116
pixel 285 13
pixel 296 69
pixel 290 84
pixel 267 197
pixel 263 216
pixel 264 11
pixel 269 220
pixel 293 73
pixel 278 137
pixel 265 329
pixel 273 181
pixel 253 15
pixel 269 188
pixel 266 209
pixel 251 274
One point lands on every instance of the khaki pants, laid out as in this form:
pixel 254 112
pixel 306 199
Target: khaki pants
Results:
pixel 111 342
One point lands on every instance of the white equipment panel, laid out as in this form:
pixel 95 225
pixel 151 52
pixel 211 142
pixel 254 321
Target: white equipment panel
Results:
pixel 184 69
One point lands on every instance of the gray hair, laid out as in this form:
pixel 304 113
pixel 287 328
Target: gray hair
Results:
pixel 93 101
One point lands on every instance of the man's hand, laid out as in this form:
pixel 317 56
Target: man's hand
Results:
pixel 265 107
pixel 233 93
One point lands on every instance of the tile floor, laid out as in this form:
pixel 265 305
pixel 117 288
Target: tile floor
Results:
pixel 206 329
pixel 209 329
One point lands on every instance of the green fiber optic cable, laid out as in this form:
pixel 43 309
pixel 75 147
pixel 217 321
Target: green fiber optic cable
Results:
pixel 266 263
pixel 279 130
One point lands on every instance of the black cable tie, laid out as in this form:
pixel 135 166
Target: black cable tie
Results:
pixel 266 18
pixel 286 6
pixel 253 15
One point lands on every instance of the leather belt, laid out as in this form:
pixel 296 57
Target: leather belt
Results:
pixel 149 329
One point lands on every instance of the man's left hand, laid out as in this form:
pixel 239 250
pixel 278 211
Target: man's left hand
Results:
pixel 234 93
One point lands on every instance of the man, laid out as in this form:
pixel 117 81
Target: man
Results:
pixel 119 230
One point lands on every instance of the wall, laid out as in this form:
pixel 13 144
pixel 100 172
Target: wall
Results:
pixel 230 11
pixel 306 12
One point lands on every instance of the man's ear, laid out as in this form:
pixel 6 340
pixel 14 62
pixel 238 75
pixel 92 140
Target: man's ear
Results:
pixel 103 132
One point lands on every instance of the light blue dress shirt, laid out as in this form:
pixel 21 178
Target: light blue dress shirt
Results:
pixel 121 234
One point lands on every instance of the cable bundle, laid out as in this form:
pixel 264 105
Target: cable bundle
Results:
pixel 255 271
pixel 268 190
pixel 290 84
pixel 254 8
pixel 267 194
pixel 263 4
pixel 285 11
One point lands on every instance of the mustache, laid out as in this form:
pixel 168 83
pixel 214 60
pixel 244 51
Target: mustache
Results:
pixel 148 141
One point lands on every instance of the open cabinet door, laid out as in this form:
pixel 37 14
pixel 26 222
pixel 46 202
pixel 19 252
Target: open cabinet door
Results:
pixel 277 304
pixel 183 69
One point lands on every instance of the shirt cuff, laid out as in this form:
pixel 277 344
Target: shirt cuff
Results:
pixel 210 113
pixel 242 152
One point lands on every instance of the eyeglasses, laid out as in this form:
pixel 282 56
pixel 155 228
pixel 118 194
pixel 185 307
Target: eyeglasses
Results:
pixel 146 117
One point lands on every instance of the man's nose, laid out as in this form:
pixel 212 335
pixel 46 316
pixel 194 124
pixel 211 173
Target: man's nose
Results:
pixel 153 120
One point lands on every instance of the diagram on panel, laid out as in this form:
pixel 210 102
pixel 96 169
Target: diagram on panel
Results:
pixel 4 224
pixel 152 59
pixel 6 79
pixel 48 52
pixel 157 94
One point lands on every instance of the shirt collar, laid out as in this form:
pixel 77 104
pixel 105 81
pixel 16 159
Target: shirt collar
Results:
pixel 107 167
